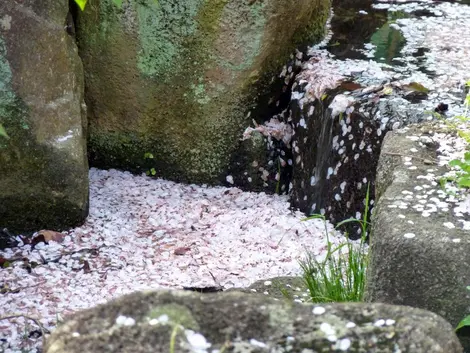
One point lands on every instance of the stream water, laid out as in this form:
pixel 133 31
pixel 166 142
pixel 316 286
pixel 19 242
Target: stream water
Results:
pixel 422 43
pixel 427 41
pixel 392 63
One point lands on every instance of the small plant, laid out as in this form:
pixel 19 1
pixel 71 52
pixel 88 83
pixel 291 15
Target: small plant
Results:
pixel 174 333
pixel 152 170
pixel 341 276
pixel 278 177
pixel 463 178
pixel 82 3
pixel 3 133
pixel 466 321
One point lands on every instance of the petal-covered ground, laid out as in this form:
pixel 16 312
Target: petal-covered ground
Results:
pixel 145 233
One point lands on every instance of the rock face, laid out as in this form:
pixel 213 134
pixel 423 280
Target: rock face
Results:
pixel 178 79
pixel 239 322
pixel 43 165
pixel 419 253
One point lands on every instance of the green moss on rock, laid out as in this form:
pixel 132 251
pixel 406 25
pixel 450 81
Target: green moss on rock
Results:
pixel 179 77
pixel 242 322
pixel 176 314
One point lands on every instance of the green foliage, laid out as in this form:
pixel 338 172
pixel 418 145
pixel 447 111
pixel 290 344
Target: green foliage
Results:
pixel 278 175
pixel 463 323
pixel 341 276
pixel 174 333
pixel 463 177
pixel 151 171
pixel 466 321
pixel 3 133
pixel 82 3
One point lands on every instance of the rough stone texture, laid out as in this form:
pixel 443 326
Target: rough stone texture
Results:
pixel 284 287
pixel 239 322
pixel 178 78
pixel 417 260
pixel 43 165
pixel 339 123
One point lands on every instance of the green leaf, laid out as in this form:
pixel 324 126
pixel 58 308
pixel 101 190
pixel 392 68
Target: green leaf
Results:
pixel 464 182
pixel 416 87
pixel 81 4
pixel 455 163
pixel 349 220
pixel 3 132
pixel 314 216
pixel 153 171
pixel 118 3
pixel 467 156
pixel 463 323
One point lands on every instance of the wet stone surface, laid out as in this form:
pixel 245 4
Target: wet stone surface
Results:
pixel 383 66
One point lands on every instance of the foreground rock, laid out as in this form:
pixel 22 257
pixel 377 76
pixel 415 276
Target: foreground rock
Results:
pixel 420 241
pixel 239 322
pixel 178 80
pixel 283 287
pixel 43 165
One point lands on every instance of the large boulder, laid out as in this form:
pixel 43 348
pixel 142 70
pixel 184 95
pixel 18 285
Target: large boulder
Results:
pixel 179 321
pixel 178 80
pixel 43 165
pixel 420 238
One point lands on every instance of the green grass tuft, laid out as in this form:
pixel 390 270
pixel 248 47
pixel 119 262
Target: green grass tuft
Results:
pixel 341 276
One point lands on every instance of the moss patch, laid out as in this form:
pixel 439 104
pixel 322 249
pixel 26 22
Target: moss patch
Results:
pixel 163 28
pixel 177 79
pixel 177 314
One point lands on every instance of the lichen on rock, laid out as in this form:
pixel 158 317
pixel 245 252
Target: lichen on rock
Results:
pixel 178 78
pixel 242 322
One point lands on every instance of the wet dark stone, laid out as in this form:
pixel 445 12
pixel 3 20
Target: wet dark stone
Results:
pixel 7 240
pixel 212 289
pixel 260 163
pixel 335 157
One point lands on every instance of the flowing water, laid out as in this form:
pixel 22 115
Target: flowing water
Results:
pixel 424 39
pixel 418 50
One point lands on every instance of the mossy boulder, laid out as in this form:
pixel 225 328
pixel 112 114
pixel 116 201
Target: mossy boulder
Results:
pixel 177 79
pixel 43 164
pixel 182 321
